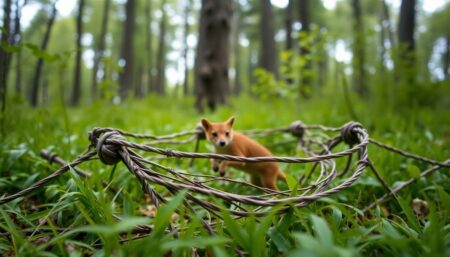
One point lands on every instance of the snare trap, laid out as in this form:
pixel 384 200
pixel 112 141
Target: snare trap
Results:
pixel 324 178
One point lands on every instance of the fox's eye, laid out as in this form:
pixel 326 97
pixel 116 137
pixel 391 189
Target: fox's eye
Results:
pixel 227 134
pixel 214 134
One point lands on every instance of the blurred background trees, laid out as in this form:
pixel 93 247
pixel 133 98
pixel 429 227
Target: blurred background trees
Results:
pixel 88 50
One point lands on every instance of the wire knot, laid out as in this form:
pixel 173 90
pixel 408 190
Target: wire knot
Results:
pixel 200 131
pixel 108 152
pixel 297 129
pixel 349 134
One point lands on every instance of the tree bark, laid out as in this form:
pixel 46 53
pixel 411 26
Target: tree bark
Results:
pixel 289 41
pixel 100 49
pixel 161 57
pixel 5 56
pixel 269 60
pixel 186 48
pixel 358 60
pixel 127 53
pixel 149 46
pixel 288 24
pixel 139 88
pixel 388 23
pixel 40 63
pixel 17 40
pixel 237 85
pixel 406 26
pixel 305 73
pixel 76 92
pixel 212 60
pixel 407 23
pixel 446 59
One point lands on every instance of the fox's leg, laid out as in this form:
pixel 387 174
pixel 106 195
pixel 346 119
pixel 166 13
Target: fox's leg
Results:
pixel 269 180
pixel 215 164
pixel 256 180
pixel 234 164
pixel 223 165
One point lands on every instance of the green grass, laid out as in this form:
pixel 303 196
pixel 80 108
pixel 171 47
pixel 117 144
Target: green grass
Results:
pixel 329 227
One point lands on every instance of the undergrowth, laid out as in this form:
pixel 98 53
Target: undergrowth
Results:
pixel 73 216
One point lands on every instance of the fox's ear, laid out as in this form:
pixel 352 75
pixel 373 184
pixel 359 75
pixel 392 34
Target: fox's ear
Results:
pixel 230 121
pixel 206 124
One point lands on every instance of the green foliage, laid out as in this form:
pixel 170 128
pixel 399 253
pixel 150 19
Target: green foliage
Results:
pixel 333 226
pixel 299 73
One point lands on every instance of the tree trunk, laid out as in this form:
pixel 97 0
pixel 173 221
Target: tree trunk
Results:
pixel 5 56
pixel 289 41
pixel 237 87
pixel 212 60
pixel 288 24
pixel 382 39
pixel 305 73
pixel 100 49
pixel 148 42
pixel 76 92
pixel 40 63
pixel 17 40
pixel 446 59
pixel 269 60
pixel 388 23
pixel 161 57
pixel 406 27
pixel 358 60
pixel 139 89
pixel 186 48
pixel 127 53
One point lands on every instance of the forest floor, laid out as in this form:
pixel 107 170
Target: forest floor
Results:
pixel 79 214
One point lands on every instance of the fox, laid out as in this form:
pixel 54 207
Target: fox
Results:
pixel 227 141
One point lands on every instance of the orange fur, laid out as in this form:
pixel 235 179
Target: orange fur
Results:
pixel 227 141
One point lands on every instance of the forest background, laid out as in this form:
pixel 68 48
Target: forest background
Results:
pixel 159 66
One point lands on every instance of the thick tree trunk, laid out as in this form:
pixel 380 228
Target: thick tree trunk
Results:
pixel 212 60
pixel 186 47
pixel 406 26
pixel 40 63
pixel 269 60
pixel 100 49
pixel 148 43
pixel 358 60
pixel 127 55
pixel 76 92
pixel 407 23
pixel 161 57
pixel 5 56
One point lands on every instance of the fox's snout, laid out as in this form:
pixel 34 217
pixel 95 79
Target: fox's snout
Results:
pixel 222 143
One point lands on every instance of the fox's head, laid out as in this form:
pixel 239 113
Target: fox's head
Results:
pixel 219 133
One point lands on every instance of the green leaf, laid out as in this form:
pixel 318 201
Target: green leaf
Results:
pixel 283 245
pixel 413 170
pixel 322 231
pixel 125 225
pixel 164 214
pixel 291 182
pixel 199 242
pixel 412 219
